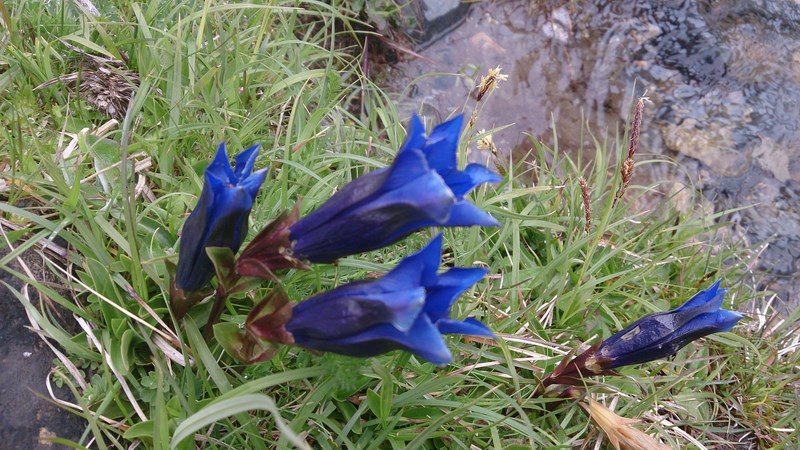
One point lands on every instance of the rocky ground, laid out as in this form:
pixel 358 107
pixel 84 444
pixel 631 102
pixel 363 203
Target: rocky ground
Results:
pixel 28 418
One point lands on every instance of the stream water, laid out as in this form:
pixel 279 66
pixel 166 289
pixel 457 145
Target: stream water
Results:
pixel 723 78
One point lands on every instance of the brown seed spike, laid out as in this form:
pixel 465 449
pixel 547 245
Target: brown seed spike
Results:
pixel 633 145
pixel 587 206
pixel 635 127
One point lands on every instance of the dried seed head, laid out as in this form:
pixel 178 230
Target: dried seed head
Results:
pixel 489 82
pixel 473 118
pixel 587 206
pixel 627 173
pixel 633 144
pixel 487 143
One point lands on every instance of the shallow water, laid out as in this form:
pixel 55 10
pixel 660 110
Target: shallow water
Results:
pixel 723 78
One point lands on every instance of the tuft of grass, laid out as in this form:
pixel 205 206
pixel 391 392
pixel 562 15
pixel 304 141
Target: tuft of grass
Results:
pixel 103 201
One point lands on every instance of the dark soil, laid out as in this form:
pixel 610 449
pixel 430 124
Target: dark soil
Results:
pixel 28 419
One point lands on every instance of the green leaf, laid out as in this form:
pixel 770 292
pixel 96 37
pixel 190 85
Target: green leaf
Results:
pixel 120 351
pixel 203 353
pixel 226 408
pixel 150 227
pixel 107 292
pixel 140 430
pixel 375 403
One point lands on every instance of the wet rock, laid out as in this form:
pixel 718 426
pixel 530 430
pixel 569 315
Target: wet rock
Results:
pixel 711 143
pixel 734 108
pixel 724 78
pixel 774 220
pixel 483 41
pixel 773 159
pixel 434 18
pixel 686 43
pixel 559 27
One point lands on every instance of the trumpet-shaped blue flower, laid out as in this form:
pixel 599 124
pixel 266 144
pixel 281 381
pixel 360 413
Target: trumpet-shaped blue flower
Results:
pixel 652 337
pixel 422 188
pixel 220 217
pixel 408 309
pixel 657 336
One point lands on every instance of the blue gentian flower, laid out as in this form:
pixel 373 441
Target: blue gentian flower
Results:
pixel 652 337
pixel 220 217
pixel 657 336
pixel 408 309
pixel 422 188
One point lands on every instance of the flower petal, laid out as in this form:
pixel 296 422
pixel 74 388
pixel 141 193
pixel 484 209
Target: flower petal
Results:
pixel 382 221
pixel 245 161
pixel 213 226
pixel 191 276
pixel 384 206
pixel 701 326
pixel 659 335
pixel 423 339
pixel 407 168
pixel 640 334
pixel 253 182
pixel 441 146
pixel 220 166
pixel 708 323
pixel 461 182
pixel 400 293
pixel 654 328
pixel 449 286
pixel 469 327
pixel 228 227
pixel 323 317
pixel 356 192
pixel 415 139
pixel 465 214
pixel 711 296
pixel 219 219
pixel 418 269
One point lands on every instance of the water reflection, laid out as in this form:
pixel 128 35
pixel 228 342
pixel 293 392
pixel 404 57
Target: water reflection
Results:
pixel 724 78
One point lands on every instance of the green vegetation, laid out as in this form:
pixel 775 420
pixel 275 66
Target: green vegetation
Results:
pixel 104 201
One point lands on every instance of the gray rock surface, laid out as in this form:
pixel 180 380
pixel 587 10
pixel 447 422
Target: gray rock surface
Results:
pixel 723 77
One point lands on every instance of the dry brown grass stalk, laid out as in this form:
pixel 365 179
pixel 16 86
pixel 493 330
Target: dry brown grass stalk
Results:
pixel 633 145
pixel 587 206
pixel 619 430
